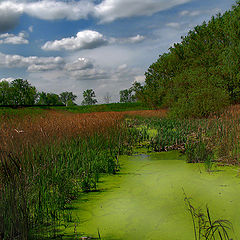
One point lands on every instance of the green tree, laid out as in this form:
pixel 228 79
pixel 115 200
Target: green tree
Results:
pixel 49 99
pixel 53 99
pixel 5 93
pixel 68 98
pixel 23 93
pixel 89 97
pixel 42 98
pixel 127 96
pixel 201 74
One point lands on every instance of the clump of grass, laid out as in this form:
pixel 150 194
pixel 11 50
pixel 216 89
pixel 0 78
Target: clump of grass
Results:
pixel 204 226
pixel 198 151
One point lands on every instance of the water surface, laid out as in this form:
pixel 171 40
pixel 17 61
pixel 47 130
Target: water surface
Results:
pixel 146 201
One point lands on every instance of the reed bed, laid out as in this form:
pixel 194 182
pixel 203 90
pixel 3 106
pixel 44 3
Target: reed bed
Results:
pixel 202 140
pixel 46 161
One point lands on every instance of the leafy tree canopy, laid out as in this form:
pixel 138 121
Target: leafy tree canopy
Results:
pixel 68 98
pixel 89 97
pixel 201 74
pixel 127 96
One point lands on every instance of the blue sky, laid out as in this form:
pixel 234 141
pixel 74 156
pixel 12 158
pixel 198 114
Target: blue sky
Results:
pixel 106 45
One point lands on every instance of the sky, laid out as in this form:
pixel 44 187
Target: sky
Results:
pixel 104 45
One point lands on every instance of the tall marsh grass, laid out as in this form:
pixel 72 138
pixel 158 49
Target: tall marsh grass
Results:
pixel 202 140
pixel 47 161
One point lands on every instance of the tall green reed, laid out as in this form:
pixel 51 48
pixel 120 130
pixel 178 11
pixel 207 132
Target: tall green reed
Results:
pixel 38 183
pixel 204 226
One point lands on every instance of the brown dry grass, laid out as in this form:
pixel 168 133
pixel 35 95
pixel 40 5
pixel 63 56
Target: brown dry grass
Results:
pixel 16 134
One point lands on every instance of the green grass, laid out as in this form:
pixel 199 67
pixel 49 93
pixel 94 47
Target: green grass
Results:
pixel 35 111
pixel 6 113
pixel 117 107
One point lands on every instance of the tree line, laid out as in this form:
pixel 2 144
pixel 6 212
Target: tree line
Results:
pixel 201 74
pixel 21 92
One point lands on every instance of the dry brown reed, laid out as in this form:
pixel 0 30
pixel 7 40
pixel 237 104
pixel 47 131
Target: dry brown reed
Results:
pixel 227 135
pixel 16 134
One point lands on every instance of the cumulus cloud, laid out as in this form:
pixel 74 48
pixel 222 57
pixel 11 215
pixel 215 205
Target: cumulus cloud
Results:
pixel 106 11
pixel 52 10
pixel 81 69
pixel 7 38
pixel 90 74
pixel 136 39
pixel 109 10
pixel 32 63
pixel 84 40
pixel 80 64
pixel 10 11
pixel 9 15
pixel 87 39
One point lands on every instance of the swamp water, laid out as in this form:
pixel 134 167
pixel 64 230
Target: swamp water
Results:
pixel 145 199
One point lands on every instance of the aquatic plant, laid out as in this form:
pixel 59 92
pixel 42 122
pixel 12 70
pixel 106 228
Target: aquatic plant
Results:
pixel 204 226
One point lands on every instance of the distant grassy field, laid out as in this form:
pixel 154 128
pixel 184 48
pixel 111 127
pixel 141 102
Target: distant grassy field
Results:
pixel 116 107
pixel 34 111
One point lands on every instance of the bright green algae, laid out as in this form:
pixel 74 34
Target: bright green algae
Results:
pixel 146 201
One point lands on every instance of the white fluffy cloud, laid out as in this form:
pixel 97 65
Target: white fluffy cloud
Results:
pixel 80 64
pixel 81 69
pixel 136 39
pixel 52 10
pixel 7 38
pixel 32 63
pixel 109 10
pixel 106 11
pixel 10 11
pixel 87 40
pixel 84 40
pixel 9 15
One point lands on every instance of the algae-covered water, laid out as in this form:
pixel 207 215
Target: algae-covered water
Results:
pixel 146 201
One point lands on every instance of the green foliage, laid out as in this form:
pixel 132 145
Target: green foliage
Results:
pixel 200 75
pixel 200 102
pixel 49 99
pixel 38 184
pixel 23 92
pixel 67 98
pixel 89 97
pixel 118 107
pixel 18 92
pixel 5 93
pixel 126 96
pixel 198 151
